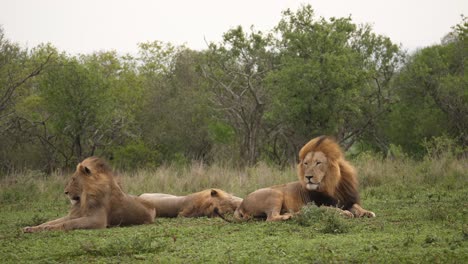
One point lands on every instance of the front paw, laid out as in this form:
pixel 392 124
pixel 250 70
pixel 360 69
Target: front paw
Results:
pixel 365 213
pixel 31 229
pixel 347 213
pixel 368 214
pixel 286 216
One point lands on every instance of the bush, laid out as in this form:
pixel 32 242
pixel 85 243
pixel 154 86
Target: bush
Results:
pixel 325 219
pixel 442 147
pixel 135 155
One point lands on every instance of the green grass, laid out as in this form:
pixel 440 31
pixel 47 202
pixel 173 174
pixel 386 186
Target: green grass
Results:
pixel 421 208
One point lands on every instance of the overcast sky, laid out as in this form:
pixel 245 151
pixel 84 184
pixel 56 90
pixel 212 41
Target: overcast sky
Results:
pixel 84 26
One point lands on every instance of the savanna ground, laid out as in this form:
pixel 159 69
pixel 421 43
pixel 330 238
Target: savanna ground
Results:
pixel 421 208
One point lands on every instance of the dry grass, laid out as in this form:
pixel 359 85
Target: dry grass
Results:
pixel 198 176
pixel 373 172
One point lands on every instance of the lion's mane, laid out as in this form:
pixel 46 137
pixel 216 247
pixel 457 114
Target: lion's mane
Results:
pixel 340 181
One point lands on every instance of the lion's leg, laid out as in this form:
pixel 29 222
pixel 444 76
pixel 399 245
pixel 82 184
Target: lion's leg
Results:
pixel 31 229
pixel 56 221
pixel 358 211
pixel 95 221
pixel 276 216
pixel 87 222
pixel 274 213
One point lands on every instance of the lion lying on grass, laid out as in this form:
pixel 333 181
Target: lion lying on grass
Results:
pixel 210 202
pixel 98 201
pixel 325 178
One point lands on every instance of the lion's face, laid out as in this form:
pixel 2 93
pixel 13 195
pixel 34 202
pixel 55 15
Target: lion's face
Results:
pixel 223 201
pixel 74 187
pixel 313 169
pixel 86 178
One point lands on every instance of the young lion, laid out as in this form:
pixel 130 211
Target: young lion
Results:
pixel 210 202
pixel 98 201
pixel 325 178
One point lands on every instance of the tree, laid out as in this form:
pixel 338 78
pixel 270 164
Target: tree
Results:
pixel 176 113
pixel 236 70
pixel 333 79
pixel 86 103
pixel 433 94
pixel 17 67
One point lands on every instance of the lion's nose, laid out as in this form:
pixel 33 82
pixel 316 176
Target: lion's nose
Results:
pixel 309 177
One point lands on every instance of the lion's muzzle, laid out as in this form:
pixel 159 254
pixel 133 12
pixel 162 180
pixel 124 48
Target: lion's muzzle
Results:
pixel 310 185
pixel 74 199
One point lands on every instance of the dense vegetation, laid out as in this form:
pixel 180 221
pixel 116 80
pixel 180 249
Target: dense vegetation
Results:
pixel 255 96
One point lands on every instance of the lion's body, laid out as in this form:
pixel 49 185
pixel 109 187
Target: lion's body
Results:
pixel 325 178
pixel 193 205
pixel 98 201
pixel 280 202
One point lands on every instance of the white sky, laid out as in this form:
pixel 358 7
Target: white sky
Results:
pixel 84 26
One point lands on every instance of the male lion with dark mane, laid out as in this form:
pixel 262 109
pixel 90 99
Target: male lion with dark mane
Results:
pixel 210 202
pixel 98 201
pixel 325 178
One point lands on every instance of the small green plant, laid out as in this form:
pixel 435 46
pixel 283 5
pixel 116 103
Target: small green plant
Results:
pixel 326 220
pixel 409 239
pixel 437 212
pixel 431 238
pixel 335 224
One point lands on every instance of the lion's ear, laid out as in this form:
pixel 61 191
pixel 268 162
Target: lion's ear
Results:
pixel 85 170
pixel 214 192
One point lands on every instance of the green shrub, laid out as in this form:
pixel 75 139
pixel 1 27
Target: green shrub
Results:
pixel 135 155
pixel 324 219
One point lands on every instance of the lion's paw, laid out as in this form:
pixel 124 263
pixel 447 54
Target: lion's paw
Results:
pixel 347 214
pixel 365 213
pixel 368 214
pixel 31 229
pixel 286 216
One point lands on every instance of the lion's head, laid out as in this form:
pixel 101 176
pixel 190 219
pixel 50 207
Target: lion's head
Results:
pixel 319 165
pixel 92 180
pixel 212 202
pixel 224 202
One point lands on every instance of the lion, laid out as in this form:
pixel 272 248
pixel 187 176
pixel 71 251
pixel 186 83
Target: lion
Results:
pixel 325 178
pixel 98 201
pixel 210 202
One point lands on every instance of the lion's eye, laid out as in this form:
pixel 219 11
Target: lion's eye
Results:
pixel 318 163
pixel 305 163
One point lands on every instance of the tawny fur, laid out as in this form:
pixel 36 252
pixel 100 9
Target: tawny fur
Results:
pixel 204 203
pixel 325 178
pixel 98 201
